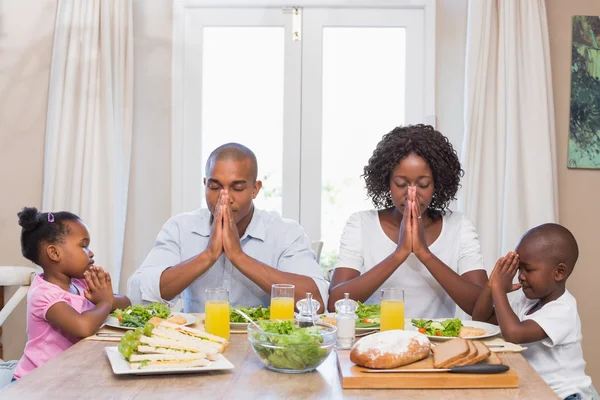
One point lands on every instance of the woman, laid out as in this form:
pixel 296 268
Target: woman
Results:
pixel 412 240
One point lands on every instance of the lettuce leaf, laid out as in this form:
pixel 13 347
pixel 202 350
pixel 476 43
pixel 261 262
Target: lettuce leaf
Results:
pixel 137 316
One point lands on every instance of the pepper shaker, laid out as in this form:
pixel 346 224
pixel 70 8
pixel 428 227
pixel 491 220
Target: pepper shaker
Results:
pixel 346 322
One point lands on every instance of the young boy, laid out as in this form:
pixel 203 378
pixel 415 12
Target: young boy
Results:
pixel 544 314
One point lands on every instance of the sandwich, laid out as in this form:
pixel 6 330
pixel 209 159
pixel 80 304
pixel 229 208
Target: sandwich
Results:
pixel 470 331
pixel 165 361
pixel 191 336
pixel 177 319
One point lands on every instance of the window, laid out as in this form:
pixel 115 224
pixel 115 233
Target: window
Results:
pixel 312 109
pixel 242 89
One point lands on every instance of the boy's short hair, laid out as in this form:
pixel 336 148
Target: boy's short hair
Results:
pixel 558 243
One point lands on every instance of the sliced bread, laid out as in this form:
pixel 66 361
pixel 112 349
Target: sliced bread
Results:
pixel 483 351
pixel 466 360
pixel 449 352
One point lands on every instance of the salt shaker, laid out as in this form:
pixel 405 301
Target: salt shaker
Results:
pixel 346 322
pixel 307 316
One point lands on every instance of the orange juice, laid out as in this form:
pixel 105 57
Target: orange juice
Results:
pixel 392 315
pixel 282 308
pixel 217 318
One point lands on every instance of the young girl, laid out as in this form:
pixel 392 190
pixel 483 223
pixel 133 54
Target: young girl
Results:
pixel 412 240
pixel 72 298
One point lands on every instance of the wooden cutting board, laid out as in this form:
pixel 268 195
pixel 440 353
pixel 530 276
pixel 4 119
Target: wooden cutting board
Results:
pixel 352 377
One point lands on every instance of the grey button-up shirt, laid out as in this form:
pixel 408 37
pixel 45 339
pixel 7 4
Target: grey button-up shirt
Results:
pixel 277 242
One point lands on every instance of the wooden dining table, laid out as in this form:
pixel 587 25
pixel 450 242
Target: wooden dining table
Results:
pixel 84 372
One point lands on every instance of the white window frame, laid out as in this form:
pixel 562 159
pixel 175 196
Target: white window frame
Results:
pixel 186 143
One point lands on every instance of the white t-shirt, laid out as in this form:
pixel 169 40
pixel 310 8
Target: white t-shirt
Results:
pixel 558 358
pixel 364 244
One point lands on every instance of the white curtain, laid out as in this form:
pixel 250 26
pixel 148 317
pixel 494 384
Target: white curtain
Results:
pixel 89 121
pixel 509 151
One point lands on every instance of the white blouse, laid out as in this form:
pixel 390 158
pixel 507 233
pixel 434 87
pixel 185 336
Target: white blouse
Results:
pixel 364 244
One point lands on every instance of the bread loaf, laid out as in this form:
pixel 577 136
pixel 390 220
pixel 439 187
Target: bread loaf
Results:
pixel 390 349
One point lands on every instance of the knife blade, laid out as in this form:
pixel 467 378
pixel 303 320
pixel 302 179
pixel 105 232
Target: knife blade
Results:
pixel 466 369
pixel 109 334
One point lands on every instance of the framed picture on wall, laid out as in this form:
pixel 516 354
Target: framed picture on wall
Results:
pixel 584 129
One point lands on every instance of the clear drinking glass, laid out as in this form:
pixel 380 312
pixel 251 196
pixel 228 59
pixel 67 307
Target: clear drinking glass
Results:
pixel 392 309
pixel 282 301
pixel 217 312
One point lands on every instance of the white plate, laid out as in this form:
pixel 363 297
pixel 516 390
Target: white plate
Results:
pixel 238 326
pixel 120 365
pixel 114 322
pixel 358 330
pixel 490 330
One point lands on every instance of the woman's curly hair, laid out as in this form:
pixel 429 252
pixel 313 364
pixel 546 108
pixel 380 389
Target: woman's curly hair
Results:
pixel 427 143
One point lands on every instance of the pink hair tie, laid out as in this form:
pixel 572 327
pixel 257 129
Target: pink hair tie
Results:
pixel 50 217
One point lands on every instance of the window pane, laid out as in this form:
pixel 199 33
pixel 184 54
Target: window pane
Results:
pixel 363 98
pixel 242 99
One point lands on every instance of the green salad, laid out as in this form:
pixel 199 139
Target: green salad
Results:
pixel 448 327
pixel 137 316
pixel 368 315
pixel 299 349
pixel 257 313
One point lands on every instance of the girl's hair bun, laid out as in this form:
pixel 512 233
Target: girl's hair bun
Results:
pixel 29 218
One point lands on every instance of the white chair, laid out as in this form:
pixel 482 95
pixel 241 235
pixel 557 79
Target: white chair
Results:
pixel 13 276
pixel 317 246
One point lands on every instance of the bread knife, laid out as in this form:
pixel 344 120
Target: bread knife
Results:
pixel 466 369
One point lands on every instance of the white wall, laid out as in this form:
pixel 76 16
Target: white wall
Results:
pixel 26 34
pixel 451 38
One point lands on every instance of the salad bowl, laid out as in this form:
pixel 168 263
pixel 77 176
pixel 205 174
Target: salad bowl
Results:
pixel 283 346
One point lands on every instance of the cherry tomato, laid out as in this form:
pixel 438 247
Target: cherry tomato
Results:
pixel 438 333
pixel 422 330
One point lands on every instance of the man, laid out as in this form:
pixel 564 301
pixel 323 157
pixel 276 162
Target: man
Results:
pixel 230 245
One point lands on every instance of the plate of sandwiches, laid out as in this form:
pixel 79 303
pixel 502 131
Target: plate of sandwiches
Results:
pixel 175 318
pixel 468 329
pixel 169 349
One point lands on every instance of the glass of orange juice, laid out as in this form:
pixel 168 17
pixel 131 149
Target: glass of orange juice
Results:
pixel 217 312
pixel 282 301
pixel 392 309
